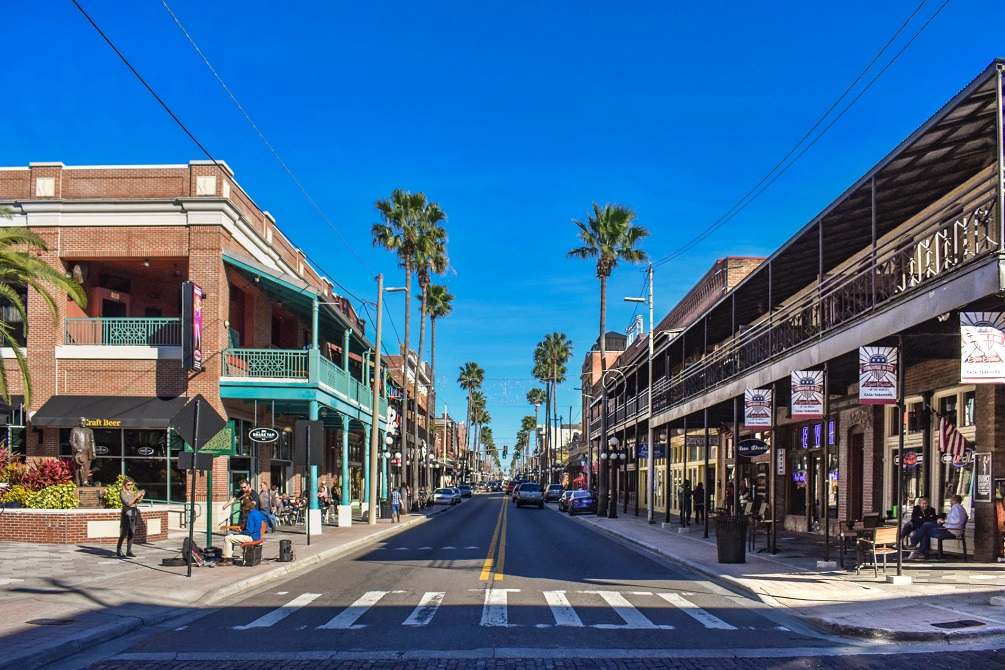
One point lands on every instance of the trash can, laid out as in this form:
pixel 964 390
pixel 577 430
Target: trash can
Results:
pixel 731 538
pixel 285 551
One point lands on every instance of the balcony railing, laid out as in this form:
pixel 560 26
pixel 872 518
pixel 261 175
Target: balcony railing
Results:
pixel 129 332
pixel 335 377
pixel 265 364
pixel 920 257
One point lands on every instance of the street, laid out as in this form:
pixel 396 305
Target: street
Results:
pixel 486 580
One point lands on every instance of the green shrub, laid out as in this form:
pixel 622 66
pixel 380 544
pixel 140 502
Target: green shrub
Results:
pixel 21 495
pixel 59 496
pixel 112 499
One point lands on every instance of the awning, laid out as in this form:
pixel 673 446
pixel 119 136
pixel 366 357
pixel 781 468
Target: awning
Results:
pixel 107 411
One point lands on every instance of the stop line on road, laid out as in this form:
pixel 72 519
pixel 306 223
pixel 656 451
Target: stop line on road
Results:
pixel 496 610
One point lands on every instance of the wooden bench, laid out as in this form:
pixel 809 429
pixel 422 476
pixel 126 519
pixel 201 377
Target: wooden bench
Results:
pixel 883 542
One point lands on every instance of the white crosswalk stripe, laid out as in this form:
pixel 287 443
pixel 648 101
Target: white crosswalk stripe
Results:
pixel 277 615
pixel 562 610
pixel 428 605
pixel 496 609
pixel 348 617
pixel 632 617
pixel 687 607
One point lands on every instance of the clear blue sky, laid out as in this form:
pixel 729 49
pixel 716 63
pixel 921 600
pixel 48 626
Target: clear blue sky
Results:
pixel 514 116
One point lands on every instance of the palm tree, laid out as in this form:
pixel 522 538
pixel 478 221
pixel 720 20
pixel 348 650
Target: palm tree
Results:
pixel 609 235
pixel 20 266
pixel 439 303
pixel 551 357
pixel 536 397
pixel 470 379
pixel 411 231
pixel 430 256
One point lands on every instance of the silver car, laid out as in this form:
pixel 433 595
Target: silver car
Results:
pixel 529 493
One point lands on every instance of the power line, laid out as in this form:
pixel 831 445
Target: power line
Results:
pixel 768 179
pixel 275 154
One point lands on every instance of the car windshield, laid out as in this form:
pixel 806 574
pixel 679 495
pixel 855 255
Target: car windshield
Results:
pixel 580 494
pixel 445 492
pixel 555 487
pixel 530 487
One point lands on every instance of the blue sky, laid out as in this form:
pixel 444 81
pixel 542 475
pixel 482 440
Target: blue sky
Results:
pixel 513 116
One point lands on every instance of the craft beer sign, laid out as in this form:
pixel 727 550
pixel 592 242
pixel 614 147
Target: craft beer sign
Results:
pixel 877 375
pixel 757 408
pixel 808 394
pixel 982 346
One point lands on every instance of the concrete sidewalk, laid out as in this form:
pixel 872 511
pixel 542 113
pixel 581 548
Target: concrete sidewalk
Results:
pixel 56 600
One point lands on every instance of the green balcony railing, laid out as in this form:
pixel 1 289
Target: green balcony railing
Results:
pixel 265 363
pixel 335 377
pixel 119 331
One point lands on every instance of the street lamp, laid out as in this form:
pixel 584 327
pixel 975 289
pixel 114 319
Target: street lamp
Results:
pixel 614 458
pixel 650 458
pixel 385 456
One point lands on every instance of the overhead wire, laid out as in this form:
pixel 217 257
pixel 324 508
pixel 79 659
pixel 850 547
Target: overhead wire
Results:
pixel 771 175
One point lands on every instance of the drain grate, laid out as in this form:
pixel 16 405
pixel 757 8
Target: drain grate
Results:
pixel 52 622
pixel 966 623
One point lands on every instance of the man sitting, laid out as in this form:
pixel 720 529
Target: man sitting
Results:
pixel 251 531
pixel 949 529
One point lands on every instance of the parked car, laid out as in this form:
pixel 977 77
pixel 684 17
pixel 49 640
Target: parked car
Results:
pixel 457 493
pixel 511 486
pixel 495 486
pixel 529 493
pixel 553 492
pixel 444 497
pixel 482 487
pixel 465 490
pixel 582 502
pixel 563 500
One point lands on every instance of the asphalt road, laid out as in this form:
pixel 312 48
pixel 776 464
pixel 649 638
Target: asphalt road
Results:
pixel 487 575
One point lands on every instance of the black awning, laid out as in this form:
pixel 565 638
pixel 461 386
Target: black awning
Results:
pixel 107 411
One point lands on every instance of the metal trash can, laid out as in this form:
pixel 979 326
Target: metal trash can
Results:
pixel 731 538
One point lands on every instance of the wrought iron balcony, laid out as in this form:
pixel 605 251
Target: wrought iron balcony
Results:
pixel 119 332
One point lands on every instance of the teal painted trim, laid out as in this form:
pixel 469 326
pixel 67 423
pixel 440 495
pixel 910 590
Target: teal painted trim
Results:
pixel 119 331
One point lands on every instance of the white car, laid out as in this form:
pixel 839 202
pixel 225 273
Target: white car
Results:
pixel 444 497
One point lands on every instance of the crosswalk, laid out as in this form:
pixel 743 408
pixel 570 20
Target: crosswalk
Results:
pixel 587 608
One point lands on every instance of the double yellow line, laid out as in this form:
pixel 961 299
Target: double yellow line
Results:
pixel 495 561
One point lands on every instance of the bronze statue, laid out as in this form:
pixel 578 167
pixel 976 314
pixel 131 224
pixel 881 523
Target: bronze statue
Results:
pixel 82 448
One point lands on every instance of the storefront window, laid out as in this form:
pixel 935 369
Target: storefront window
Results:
pixel 797 485
pixel 956 476
pixel 947 409
pixel 968 408
pixel 916 417
pixel 913 474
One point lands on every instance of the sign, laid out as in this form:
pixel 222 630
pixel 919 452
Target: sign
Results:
pixel 191 326
pixel 201 461
pixel 982 478
pixel 224 443
pixel 958 461
pixel 184 422
pixel 315 429
pixel 659 452
pixel 912 459
pixel 145 451
pixel 780 461
pixel 877 375
pixel 752 447
pixel 982 347
pixel 757 408
pixel 807 394
pixel 263 435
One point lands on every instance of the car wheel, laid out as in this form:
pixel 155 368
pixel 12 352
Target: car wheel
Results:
pixel 541 506
pixel 518 505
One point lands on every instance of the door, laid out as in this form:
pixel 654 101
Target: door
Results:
pixel 856 474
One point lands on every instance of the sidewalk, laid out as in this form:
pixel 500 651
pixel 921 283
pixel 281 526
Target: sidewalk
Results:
pixel 946 600
pixel 56 600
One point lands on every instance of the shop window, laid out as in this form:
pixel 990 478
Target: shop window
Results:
pixel 968 408
pixel 12 318
pixel 916 417
pixel 956 476
pixel 144 444
pixel 913 473
pixel 947 409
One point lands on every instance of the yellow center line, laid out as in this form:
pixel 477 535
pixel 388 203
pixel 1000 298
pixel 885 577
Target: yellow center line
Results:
pixel 489 563
pixel 500 564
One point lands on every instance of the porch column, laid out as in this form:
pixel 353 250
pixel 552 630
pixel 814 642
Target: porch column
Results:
pixel 346 493
pixel 345 350
pixel 365 499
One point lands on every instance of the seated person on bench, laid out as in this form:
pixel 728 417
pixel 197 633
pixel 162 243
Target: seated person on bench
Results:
pixel 923 513
pixel 949 529
pixel 250 532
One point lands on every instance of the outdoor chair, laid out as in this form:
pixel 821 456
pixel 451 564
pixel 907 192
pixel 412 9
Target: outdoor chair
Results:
pixel 962 539
pixel 883 542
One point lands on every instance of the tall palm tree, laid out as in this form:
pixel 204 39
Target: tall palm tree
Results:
pixel 471 379
pixel 20 266
pixel 551 357
pixel 410 224
pixel 479 417
pixel 609 235
pixel 439 304
pixel 536 397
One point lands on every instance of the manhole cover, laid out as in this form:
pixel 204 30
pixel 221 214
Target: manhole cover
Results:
pixel 51 622
pixel 966 623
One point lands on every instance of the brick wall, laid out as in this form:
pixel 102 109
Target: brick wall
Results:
pixel 77 526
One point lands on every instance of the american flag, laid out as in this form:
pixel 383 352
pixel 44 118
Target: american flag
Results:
pixel 950 439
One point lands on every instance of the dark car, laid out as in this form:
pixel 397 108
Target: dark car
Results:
pixel 553 492
pixel 495 486
pixel 563 500
pixel 582 502
pixel 465 490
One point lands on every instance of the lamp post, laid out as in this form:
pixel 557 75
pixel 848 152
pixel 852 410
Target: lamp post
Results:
pixel 615 457
pixel 650 459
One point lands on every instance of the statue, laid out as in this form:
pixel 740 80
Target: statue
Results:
pixel 82 448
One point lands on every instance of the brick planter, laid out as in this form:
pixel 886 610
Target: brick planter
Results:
pixel 77 526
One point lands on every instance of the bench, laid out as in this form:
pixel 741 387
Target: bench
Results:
pixel 883 542
pixel 962 539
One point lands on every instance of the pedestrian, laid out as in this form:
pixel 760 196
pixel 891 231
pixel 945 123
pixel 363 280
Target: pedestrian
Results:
pixel 130 517
pixel 685 503
pixel 251 530
pixel 699 503
pixel 949 529
pixel 266 506
pixel 730 491
pixel 241 496
pixel 396 505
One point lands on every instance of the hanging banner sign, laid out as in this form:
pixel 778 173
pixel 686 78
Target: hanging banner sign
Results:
pixel 877 375
pixel 982 478
pixel 757 408
pixel 982 347
pixel 808 394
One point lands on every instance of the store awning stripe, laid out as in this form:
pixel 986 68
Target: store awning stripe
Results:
pixel 64 411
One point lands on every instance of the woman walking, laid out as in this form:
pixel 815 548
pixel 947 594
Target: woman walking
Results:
pixel 130 517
